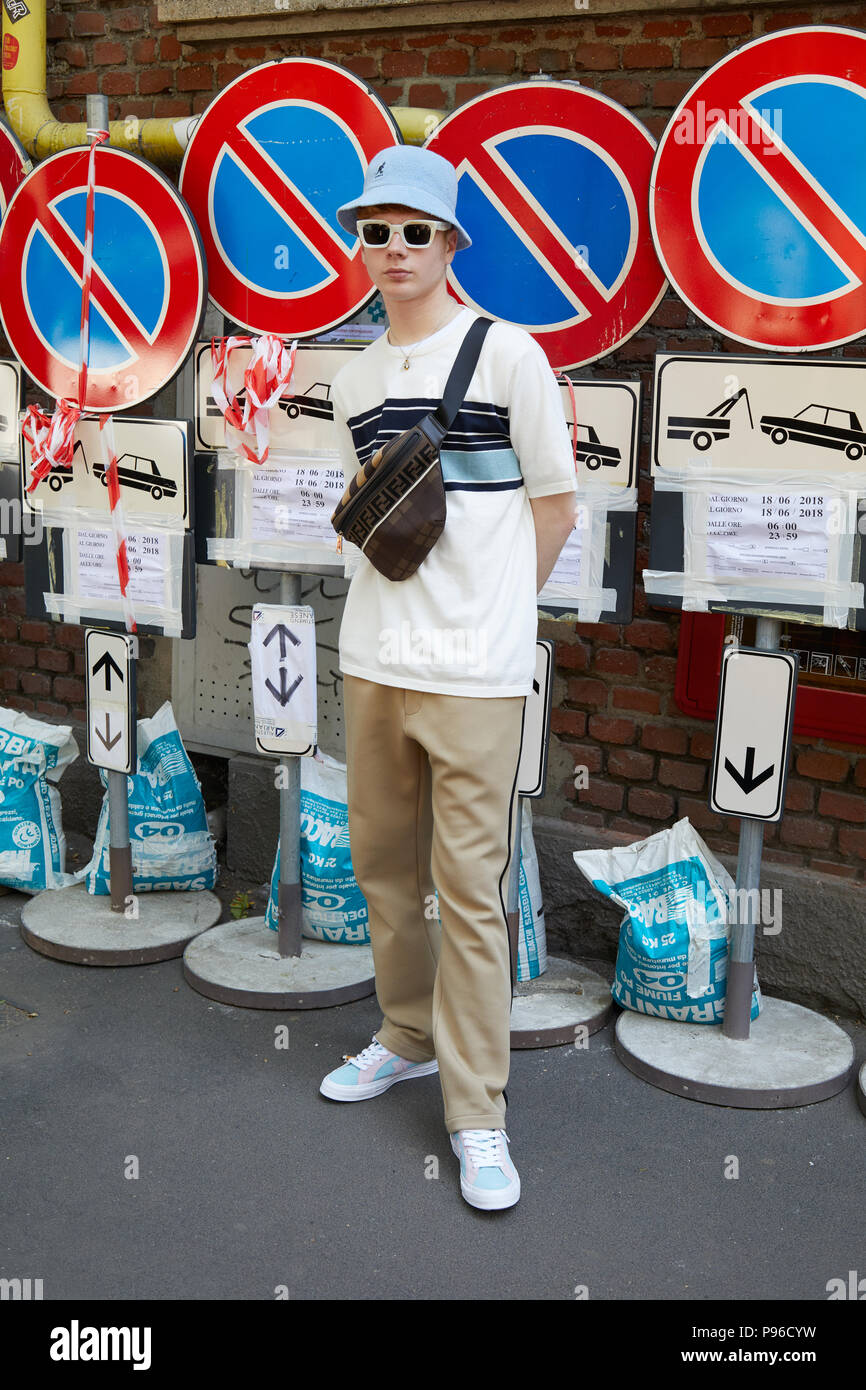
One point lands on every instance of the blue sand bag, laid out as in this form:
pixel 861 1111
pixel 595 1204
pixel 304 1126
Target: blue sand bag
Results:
pixel 32 843
pixel 673 946
pixel 532 936
pixel 333 908
pixel 172 847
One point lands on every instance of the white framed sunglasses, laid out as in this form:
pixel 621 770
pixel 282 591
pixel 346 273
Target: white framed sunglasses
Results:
pixel 417 232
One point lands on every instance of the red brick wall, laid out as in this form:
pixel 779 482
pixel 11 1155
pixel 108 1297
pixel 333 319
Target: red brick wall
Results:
pixel 647 762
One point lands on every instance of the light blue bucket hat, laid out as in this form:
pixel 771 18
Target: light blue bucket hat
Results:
pixel 410 177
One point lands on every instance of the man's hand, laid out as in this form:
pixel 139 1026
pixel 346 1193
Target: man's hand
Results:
pixel 554 519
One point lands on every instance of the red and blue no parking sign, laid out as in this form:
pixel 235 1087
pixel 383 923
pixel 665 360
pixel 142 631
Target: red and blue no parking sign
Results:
pixel 148 286
pixel 269 163
pixel 759 191
pixel 14 166
pixel 553 184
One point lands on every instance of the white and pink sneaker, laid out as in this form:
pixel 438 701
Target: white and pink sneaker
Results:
pixel 370 1073
pixel 488 1178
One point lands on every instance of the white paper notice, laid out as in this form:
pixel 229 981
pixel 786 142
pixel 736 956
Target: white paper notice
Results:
pixel 97 566
pixel 772 535
pixel 566 571
pixel 296 504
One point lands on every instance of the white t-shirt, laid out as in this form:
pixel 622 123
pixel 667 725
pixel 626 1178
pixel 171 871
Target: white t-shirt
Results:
pixel 466 622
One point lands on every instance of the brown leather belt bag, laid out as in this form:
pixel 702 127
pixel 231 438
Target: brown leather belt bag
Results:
pixel 394 507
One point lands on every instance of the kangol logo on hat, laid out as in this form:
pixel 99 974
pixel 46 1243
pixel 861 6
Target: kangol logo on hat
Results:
pixel 410 177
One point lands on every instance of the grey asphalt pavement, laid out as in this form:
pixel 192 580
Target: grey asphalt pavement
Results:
pixel 158 1145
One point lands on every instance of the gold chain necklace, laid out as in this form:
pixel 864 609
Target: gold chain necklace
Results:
pixel 407 355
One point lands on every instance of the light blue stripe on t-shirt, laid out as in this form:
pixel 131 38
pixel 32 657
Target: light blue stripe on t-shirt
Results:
pixel 480 466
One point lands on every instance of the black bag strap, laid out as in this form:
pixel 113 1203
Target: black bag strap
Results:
pixel 459 378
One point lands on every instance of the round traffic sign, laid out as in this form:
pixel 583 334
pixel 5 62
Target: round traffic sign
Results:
pixel 553 184
pixel 14 165
pixel 148 286
pixel 758 199
pixel 269 163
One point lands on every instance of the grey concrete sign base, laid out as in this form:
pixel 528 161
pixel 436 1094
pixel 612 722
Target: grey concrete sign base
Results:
pixel 238 963
pixel 791 1057
pixel 861 1088
pixel 73 925
pixel 547 1011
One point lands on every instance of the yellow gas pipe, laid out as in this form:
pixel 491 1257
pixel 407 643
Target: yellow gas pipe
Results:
pixel 161 140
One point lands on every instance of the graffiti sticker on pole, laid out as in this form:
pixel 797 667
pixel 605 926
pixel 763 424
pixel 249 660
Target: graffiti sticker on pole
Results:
pixel 269 163
pixel 553 183
pixel 758 199
pixel 148 286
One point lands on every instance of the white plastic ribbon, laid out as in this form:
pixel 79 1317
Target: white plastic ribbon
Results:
pixel 51 439
pixel 267 376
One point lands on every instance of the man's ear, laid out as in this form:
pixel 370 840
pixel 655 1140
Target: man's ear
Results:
pixel 450 244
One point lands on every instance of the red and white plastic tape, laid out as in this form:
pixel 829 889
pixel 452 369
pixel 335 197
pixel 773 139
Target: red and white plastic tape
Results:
pixel 51 438
pixel 267 377
pixel 566 381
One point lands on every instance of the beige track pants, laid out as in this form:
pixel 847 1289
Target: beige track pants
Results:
pixel 432 800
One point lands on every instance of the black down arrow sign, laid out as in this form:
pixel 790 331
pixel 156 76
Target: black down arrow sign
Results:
pixel 106 737
pixel 284 695
pixel 746 779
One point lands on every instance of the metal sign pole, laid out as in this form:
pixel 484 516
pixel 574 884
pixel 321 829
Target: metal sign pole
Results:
pixel 289 888
pixel 114 927
pixel 741 963
pixel 741 953
pixel 795 1057
pixel 111 743
pixel 246 962
pixel 119 851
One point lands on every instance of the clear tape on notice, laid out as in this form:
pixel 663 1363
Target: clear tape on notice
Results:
pixel 57 514
pixel 698 593
pixel 90 577
pixel 286 458
pixel 351 556
pixel 770 538
pixel 278 555
pixel 271 529
pixel 575 587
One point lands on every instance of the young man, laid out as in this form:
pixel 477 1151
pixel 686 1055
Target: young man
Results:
pixel 437 667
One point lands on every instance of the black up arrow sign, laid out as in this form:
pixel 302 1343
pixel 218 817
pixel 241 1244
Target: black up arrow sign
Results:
pixel 746 779
pixel 284 695
pixel 280 629
pixel 106 737
pixel 107 660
